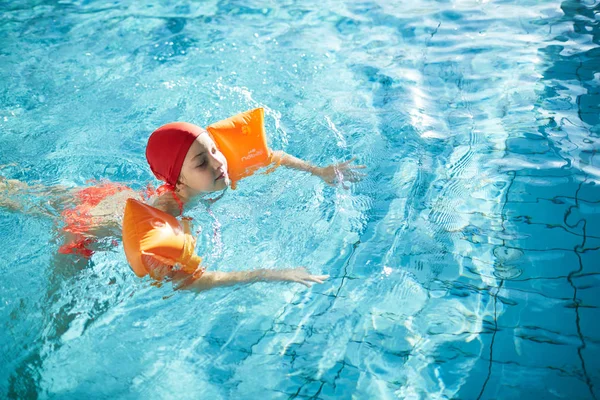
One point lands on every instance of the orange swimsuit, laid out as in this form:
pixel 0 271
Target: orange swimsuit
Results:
pixel 79 221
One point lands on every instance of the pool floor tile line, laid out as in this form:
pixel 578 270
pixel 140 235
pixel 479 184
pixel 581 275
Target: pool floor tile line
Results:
pixel 494 333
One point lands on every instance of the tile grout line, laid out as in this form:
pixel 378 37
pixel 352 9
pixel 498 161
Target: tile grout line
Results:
pixel 513 175
pixel 576 302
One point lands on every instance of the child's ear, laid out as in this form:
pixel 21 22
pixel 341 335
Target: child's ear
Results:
pixel 179 184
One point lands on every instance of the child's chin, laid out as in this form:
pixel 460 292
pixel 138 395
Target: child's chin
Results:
pixel 222 184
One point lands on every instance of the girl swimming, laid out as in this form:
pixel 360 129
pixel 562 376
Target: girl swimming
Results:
pixel 186 158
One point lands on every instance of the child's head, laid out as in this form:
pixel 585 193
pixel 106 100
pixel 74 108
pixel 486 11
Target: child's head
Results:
pixel 185 157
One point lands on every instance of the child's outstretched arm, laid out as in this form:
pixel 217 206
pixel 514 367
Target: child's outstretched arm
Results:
pixel 331 174
pixel 211 279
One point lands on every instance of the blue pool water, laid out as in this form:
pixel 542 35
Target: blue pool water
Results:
pixel 465 265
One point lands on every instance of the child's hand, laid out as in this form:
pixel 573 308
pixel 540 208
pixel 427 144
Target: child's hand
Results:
pixel 301 275
pixel 340 173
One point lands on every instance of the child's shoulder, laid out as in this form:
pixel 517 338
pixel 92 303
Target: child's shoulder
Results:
pixel 167 202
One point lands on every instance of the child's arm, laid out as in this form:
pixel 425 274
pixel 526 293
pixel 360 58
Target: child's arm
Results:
pixel 331 174
pixel 210 279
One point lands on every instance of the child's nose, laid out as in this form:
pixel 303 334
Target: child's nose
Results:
pixel 216 163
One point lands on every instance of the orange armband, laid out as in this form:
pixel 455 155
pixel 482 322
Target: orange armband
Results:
pixel 243 142
pixel 154 238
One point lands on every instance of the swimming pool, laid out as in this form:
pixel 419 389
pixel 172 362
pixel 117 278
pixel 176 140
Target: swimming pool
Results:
pixel 463 266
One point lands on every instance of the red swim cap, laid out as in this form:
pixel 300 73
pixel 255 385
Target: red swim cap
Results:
pixel 167 147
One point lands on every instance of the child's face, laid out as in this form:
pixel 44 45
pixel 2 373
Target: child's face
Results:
pixel 204 168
